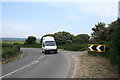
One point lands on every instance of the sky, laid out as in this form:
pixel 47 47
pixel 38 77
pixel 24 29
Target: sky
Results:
pixel 23 19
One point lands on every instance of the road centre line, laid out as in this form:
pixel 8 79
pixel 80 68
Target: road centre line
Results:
pixel 34 62
pixel 41 56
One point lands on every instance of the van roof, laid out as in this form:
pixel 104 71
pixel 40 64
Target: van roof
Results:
pixel 48 38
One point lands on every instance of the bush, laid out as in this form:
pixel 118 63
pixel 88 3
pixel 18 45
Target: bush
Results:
pixel 9 50
pixel 16 43
pixel 84 37
pixel 61 37
pixel 74 47
pixel 30 40
pixel 6 45
pixel 110 36
pixel 35 45
pixel 115 44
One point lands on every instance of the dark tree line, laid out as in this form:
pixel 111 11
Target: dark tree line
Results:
pixel 66 38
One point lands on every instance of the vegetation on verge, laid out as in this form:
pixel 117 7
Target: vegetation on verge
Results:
pixel 110 36
pixel 9 50
pixel 67 41
pixel 64 40
pixel 31 42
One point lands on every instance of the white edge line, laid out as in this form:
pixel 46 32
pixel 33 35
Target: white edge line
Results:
pixel 75 69
pixel 22 68
pixel 41 57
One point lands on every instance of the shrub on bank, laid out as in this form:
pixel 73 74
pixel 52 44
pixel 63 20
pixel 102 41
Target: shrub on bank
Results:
pixel 74 47
pixel 35 45
pixel 9 50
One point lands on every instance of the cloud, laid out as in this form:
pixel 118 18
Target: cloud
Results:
pixel 102 9
pixel 13 29
pixel 16 26
pixel 23 30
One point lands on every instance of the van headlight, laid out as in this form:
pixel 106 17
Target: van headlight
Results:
pixel 47 48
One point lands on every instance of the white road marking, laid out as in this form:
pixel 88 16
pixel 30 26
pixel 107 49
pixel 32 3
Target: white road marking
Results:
pixel 72 57
pixel 41 56
pixel 75 59
pixel 34 62
pixel 49 55
pixel 75 69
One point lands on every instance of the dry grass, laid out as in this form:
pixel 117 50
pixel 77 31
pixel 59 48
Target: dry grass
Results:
pixel 17 56
pixel 95 67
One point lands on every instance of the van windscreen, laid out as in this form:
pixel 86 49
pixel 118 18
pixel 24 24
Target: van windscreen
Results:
pixel 50 43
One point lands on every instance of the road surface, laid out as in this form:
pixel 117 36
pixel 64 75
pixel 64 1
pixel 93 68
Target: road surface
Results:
pixel 35 64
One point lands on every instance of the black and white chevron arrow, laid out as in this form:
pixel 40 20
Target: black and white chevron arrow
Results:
pixel 98 48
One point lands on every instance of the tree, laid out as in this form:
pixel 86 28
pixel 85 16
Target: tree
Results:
pixel 84 37
pixel 115 44
pixel 30 40
pixel 63 37
pixel 97 28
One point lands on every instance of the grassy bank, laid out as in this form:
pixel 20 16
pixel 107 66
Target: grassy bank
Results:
pixel 36 45
pixel 74 47
pixel 96 67
pixel 9 50
pixel 13 42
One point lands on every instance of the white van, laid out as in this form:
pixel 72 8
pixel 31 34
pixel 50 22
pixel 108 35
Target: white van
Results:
pixel 49 45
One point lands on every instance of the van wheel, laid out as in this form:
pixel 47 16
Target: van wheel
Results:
pixel 56 52
pixel 42 51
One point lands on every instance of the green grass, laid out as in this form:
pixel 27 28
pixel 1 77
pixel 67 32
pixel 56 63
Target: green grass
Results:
pixel 12 42
pixel 21 44
pixel 9 50
pixel 36 45
pixel 74 47
pixel 37 41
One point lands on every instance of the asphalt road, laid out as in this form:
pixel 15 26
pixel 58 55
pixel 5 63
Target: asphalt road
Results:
pixel 35 64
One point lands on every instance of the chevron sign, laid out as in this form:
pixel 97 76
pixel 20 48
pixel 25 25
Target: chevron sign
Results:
pixel 96 48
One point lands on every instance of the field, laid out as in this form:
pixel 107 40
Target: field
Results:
pixel 12 42
pixel 72 46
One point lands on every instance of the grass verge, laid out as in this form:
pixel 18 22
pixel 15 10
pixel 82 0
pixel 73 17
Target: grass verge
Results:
pixel 74 47
pixel 96 67
pixel 13 58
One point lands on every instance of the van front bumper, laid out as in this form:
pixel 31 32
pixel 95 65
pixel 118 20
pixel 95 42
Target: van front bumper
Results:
pixel 51 51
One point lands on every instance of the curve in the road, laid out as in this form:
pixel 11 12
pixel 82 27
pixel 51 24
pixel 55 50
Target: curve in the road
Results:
pixel 32 65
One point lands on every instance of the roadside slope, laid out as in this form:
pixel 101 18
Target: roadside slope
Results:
pixel 95 67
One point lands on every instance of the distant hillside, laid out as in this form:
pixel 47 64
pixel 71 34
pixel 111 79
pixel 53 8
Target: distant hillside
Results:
pixel 16 39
